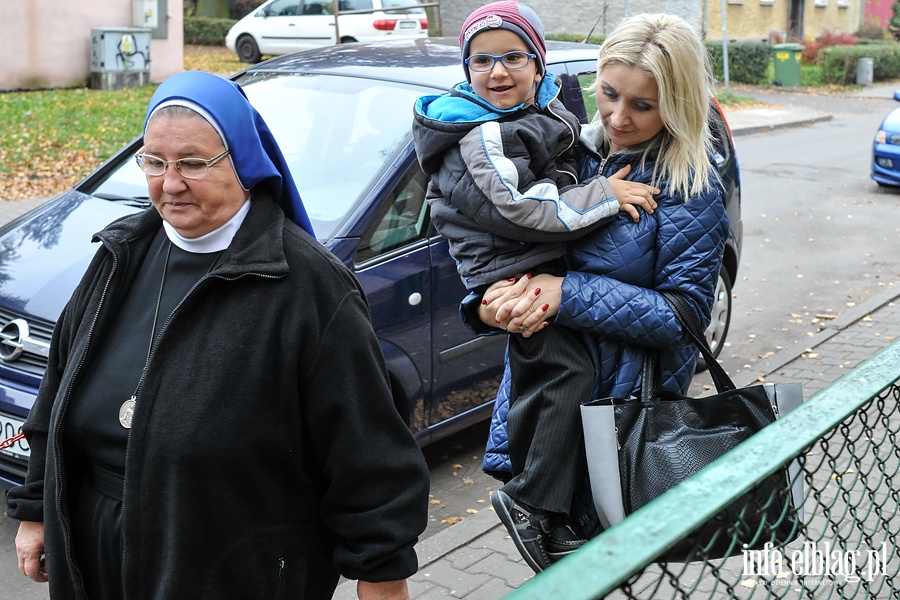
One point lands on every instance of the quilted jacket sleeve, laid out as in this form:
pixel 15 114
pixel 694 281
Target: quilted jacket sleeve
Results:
pixel 683 254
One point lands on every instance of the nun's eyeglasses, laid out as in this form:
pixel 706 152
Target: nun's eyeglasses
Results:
pixel 513 60
pixel 189 168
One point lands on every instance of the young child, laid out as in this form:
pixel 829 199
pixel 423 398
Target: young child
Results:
pixel 499 150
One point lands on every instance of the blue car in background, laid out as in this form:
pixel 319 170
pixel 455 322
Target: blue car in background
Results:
pixel 342 115
pixel 886 149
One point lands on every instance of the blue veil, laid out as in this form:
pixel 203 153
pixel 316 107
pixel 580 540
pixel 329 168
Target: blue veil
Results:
pixel 256 156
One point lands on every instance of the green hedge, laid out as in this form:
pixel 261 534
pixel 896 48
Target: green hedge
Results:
pixel 206 31
pixel 747 61
pixel 839 62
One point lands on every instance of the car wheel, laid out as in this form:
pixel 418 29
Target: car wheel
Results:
pixel 347 39
pixel 721 317
pixel 247 50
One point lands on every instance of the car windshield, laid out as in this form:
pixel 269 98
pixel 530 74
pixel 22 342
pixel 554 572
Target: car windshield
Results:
pixel 337 134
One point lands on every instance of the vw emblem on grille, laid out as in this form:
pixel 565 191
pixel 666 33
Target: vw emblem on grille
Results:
pixel 12 339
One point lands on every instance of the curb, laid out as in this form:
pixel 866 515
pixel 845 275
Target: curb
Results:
pixel 750 129
pixel 850 317
pixel 435 547
pixel 746 121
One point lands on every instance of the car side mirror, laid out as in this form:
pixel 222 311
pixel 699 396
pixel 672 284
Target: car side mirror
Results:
pixel 897 95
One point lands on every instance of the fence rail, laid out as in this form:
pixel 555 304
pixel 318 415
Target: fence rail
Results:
pixel 845 441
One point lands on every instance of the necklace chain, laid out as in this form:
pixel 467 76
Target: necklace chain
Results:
pixel 126 411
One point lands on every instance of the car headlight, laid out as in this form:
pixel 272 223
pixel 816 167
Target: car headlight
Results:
pixel 881 136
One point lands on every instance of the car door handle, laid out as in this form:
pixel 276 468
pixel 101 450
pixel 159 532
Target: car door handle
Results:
pixel 415 298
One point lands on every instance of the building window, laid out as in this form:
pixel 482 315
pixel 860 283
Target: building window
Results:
pixel 735 1
pixel 767 2
pixel 843 3
pixel 821 3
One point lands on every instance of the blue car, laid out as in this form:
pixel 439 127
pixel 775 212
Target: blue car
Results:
pixel 886 149
pixel 342 115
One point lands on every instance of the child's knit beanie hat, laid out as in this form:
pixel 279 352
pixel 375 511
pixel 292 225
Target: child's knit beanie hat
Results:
pixel 512 16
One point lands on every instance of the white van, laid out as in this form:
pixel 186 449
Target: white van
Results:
pixel 282 26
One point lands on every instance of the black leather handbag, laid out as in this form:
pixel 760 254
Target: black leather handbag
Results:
pixel 638 448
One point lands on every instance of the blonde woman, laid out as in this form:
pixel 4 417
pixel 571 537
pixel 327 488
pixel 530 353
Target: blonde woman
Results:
pixel 653 103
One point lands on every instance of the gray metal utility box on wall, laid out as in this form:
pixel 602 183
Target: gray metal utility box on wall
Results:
pixel 120 57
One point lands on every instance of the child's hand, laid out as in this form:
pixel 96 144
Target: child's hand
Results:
pixel 497 295
pixel 631 194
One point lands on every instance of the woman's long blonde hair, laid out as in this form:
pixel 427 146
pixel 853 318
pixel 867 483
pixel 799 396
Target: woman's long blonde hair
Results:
pixel 670 50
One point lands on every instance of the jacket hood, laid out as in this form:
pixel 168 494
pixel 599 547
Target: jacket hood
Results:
pixel 463 105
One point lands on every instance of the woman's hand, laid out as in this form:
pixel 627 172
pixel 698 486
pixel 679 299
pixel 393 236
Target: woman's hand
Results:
pixel 632 194
pixel 522 306
pixel 30 549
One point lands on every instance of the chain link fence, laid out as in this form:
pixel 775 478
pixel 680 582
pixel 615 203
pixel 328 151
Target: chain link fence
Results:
pixel 838 539
pixel 846 544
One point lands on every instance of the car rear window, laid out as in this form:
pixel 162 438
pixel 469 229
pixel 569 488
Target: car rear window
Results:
pixel 397 3
pixel 355 4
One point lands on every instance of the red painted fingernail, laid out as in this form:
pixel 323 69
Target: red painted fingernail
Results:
pixel 537 291
pixel 528 276
pixel 545 325
pixel 483 301
pixel 545 307
pixel 511 279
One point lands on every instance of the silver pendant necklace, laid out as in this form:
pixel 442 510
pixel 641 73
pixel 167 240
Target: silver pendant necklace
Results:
pixel 126 411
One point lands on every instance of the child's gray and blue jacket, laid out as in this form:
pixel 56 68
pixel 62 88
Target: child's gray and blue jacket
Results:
pixel 504 189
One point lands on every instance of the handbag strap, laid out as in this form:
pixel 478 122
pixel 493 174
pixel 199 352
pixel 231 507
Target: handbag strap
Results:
pixel 650 375
pixel 691 324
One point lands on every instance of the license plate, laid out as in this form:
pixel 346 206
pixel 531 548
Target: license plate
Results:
pixel 9 427
pixel 407 25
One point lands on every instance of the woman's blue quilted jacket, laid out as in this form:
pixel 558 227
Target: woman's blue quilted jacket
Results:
pixel 610 292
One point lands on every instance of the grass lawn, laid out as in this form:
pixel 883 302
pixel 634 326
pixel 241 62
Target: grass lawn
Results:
pixel 52 139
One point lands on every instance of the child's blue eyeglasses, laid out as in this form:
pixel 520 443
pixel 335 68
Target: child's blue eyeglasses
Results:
pixel 511 60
